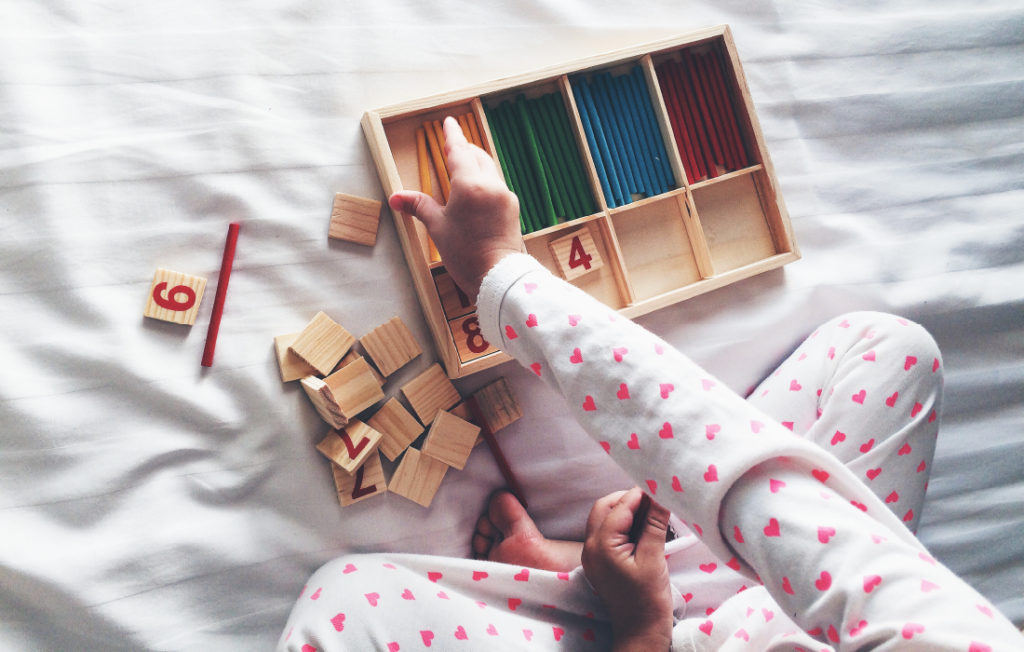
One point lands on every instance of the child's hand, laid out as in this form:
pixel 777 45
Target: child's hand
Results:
pixel 480 223
pixel 631 579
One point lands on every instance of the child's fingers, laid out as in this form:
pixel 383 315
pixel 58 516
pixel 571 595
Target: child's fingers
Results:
pixel 619 521
pixel 419 205
pixel 460 156
pixel 599 512
pixel 650 546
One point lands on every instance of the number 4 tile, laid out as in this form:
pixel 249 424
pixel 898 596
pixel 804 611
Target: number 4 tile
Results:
pixel 576 254
pixel 175 297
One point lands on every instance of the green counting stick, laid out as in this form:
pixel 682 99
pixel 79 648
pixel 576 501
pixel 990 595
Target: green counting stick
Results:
pixel 500 131
pixel 552 169
pixel 505 169
pixel 521 165
pixel 533 152
pixel 580 197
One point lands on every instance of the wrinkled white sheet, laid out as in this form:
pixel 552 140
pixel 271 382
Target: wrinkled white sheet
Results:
pixel 147 504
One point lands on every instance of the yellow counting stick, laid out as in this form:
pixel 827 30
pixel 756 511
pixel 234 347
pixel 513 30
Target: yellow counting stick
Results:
pixel 436 139
pixel 425 185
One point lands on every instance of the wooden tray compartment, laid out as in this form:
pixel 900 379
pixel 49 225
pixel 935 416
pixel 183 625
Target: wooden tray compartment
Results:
pixel 703 227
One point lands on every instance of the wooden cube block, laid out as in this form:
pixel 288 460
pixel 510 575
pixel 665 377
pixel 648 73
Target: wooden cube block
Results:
pixel 354 219
pixel 174 297
pixel 454 301
pixel 398 427
pixel 390 346
pixel 450 439
pixel 429 392
pixel 354 387
pixel 418 477
pixel 469 340
pixel 323 400
pixel 576 254
pixel 350 446
pixel 351 357
pixel 292 367
pixel 322 343
pixel 498 405
pixel 367 481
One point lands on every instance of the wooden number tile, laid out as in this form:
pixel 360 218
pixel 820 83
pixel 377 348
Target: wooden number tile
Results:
pixel 322 343
pixel 469 340
pixel 174 297
pixel 454 301
pixel 323 400
pixel 418 477
pixel 450 439
pixel 576 254
pixel 351 357
pixel 367 481
pixel 390 346
pixel 497 404
pixel 398 427
pixel 350 446
pixel 354 219
pixel 354 387
pixel 292 367
pixel 429 392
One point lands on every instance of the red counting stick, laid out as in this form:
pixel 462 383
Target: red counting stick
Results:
pixel 222 290
pixel 499 457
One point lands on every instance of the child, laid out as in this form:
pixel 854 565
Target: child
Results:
pixel 797 501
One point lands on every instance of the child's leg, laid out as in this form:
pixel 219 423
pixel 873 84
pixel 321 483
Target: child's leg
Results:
pixel 409 602
pixel 866 387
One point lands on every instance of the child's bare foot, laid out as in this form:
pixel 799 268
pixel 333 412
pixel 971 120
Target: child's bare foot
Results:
pixel 506 533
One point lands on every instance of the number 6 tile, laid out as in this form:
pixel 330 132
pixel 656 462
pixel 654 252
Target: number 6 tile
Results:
pixel 174 297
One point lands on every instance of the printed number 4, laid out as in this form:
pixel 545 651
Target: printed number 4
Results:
pixel 578 257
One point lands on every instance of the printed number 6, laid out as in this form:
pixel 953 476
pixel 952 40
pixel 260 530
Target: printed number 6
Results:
pixel 170 301
pixel 475 339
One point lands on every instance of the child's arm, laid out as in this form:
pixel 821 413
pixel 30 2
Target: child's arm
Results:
pixel 694 445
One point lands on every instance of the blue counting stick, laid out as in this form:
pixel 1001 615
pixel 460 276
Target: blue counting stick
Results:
pixel 637 141
pixel 611 127
pixel 627 127
pixel 653 132
pixel 588 129
pixel 602 142
pixel 641 103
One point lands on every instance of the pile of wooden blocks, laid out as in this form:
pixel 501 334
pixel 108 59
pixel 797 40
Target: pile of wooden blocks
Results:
pixel 347 392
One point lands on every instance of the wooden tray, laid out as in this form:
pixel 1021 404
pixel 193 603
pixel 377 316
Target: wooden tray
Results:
pixel 715 222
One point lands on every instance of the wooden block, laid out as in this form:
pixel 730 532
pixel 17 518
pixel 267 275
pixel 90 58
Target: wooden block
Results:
pixel 292 367
pixel 469 341
pixel 350 446
pixel 324 402
pixel 450 439
pixel 354 387
pixel 454 301
pixel 351 357
pixel 174 297
pixel 322 343
pixel 418 477
pixel 354 219
pixel 497 404
pixel 398 427
pixel 576 254
pixel 367 481
pixel 390 346
pixel 429 392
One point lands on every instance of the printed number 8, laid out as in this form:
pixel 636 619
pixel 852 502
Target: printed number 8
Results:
pixel 475 339
pixel 169 301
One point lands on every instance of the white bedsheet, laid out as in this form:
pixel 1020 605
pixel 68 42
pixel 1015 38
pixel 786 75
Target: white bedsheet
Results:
pixel 148 504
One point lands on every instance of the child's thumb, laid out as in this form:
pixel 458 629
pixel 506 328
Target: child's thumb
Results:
pixel 419 205
pixel 651 543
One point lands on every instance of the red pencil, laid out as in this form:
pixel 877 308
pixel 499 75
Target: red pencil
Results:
pixel 499 457
pixel 222 290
